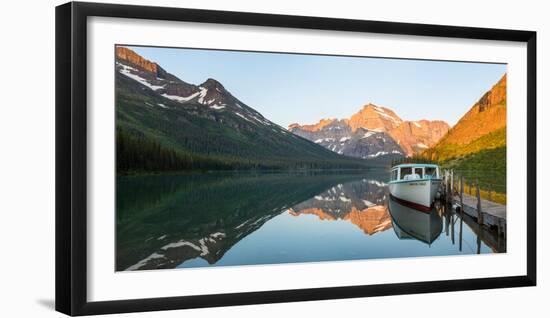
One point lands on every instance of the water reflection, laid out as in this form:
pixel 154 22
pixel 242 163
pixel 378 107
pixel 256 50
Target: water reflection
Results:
pixel 361 202
pixel 409 223
pixel 266 218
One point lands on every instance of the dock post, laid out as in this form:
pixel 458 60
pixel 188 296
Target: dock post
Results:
pixel 451 216
pixel 452 182
pixel 461 195
pixel 479 212
pixel 448 185
pixel 502 228
pixel 460 234
pixel 445 188
pixel 449 189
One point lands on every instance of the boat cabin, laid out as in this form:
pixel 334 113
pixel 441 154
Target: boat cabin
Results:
pixel 406 172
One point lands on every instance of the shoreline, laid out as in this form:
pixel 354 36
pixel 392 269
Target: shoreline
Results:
pixel 247 171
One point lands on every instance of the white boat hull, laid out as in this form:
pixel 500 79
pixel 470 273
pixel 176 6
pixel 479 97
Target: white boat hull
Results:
pixel 420 192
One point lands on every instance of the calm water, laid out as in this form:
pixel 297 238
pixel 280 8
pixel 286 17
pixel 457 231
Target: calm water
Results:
pixel 221 219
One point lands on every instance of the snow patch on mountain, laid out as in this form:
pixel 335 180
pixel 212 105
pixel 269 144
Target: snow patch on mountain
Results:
pixel 262 121
pixel 243 117
pixel 181 98
pixel 383 114
pixel 379 153
pixel 126 70
pixel 202 94
pixel 368 134
pixel 180 244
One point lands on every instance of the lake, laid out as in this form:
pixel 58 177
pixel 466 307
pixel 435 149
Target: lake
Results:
pixel 248 218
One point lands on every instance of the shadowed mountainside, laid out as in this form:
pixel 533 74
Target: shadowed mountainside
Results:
pixel 164 123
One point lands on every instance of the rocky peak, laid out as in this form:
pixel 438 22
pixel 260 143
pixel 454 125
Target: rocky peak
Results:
pixel 416 136
pixel 495 96
pixel 213 93
pixel 213 84
pixel 293 126
pixel 486 116
pixel 125 54
pixel 314 127
pixel 376 118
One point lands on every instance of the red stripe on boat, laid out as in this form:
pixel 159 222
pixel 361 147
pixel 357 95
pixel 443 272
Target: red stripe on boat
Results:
pixel 413 205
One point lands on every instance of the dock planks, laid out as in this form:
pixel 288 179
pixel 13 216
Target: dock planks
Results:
pixel 492 214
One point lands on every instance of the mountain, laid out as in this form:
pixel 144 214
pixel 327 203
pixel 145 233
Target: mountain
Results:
pixel 372 132
pixel 165 123
pixel 375 118
pixel 416 136
pixel 482 127
pixel 476 145
pixel 338 136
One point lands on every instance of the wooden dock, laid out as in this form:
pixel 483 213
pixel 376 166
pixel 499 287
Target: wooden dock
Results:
pixel 497 243
pixel 485 212
pixel 492 214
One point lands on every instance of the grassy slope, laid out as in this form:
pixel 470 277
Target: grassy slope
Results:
pixel 483 159
pixel 488 167
pixel 445 152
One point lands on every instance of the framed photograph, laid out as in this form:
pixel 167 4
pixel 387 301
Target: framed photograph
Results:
pixel 209 158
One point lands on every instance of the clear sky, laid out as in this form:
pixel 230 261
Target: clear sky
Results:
pixel 295 88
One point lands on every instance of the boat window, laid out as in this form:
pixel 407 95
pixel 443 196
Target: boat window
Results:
pixel 418 171
pixel 431 172
pixel 394 175
pixel 406 172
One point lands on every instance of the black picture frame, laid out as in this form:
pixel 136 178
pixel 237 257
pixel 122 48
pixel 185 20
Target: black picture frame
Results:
pixel 71 157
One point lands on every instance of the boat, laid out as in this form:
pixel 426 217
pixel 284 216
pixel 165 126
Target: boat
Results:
pixel 415 184
pixel 409 223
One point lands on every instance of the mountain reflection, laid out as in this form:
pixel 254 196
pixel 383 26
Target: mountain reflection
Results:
pixel 360 202
pixel 164 220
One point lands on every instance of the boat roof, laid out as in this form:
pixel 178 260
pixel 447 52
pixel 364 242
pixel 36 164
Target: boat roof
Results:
pixel 408 165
